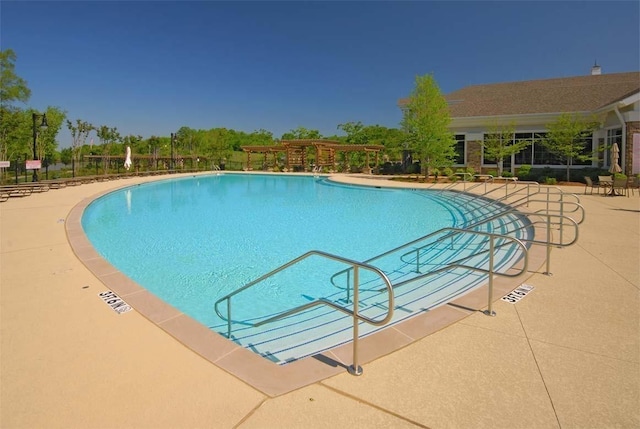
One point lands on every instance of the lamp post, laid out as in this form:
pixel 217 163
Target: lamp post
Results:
pixel 35 137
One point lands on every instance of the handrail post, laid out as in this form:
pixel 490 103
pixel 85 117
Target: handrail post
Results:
pixel 355 369
pixel 348 286
pixel 548 272
pixel 561 217
pixel 489 311
pixel 229 317
pixel 547 205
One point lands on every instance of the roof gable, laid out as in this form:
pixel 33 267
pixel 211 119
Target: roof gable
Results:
pixel 573 94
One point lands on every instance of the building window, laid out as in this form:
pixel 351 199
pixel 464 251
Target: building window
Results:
pixel 536 154
pixel 587 151
pixel 532 154
pixel 525 156
pixel 460 149
pixel 542 155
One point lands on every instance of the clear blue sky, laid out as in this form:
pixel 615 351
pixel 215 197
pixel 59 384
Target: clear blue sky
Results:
pixel 150 67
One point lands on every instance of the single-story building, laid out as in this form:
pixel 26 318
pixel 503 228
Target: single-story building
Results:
pixel 531 105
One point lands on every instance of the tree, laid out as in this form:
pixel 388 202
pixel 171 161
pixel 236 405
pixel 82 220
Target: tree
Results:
pixel 301 133
pixel 79 134
pixel 261 137
pixel 219 144
pixel 154 144
pixel 566 138
pixel 391 138
pixel 66 156
pixel 499 143
pixel 17 133
pixel 108 136
pixel 355 134
pixel 426 121
pixel 135 143
pixel 12 88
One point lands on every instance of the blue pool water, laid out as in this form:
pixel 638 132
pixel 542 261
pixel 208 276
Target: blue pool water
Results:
pixel 191 241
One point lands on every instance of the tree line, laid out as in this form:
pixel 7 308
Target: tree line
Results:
pixel 424 130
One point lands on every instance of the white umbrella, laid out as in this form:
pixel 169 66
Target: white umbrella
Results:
pixel 615 157
pixel 127 161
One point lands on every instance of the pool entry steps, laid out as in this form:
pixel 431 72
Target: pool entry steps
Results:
pixel 350 299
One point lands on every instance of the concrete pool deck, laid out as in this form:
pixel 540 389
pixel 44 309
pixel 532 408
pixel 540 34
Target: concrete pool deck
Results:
pixel 567 355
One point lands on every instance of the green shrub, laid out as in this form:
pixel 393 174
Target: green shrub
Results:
pixel 507 174
pixel 524 171
pixel 550 181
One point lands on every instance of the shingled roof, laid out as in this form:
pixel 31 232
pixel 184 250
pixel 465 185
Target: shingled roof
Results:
pixel 572 94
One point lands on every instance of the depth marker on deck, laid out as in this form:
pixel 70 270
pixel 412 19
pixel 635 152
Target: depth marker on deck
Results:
pixel 518 293
pixel 116 303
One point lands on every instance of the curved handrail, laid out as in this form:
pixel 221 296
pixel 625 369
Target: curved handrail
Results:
pixel 464 175
pixel 468 267
pixel 466 231
pixel 450 233
pixel 548 222
pixel 294 261
pixel 490 271
pixel 577 208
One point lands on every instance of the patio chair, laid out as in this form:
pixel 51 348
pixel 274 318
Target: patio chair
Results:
pixel 606 183
pixel 633 184
pixel 589 184
pixel 620 187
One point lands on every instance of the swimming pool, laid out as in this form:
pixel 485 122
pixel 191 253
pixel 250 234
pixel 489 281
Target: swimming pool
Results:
pixel 191 241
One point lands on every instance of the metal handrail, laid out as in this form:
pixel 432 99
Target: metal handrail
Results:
pixel 548 242
pixel 460 231
pixel 354 369
pixel 527 199
pixel 450 234
pixel 577 208
pixel 490 271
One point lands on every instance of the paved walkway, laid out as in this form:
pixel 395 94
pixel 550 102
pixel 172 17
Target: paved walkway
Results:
pixel 567 355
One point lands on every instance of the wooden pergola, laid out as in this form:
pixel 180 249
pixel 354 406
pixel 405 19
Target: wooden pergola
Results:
pixel 296 152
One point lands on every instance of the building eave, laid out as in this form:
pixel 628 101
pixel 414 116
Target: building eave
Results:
pixel 519 119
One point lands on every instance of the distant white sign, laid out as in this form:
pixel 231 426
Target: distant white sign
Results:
pixel 518 293
pixel 5 164
pixel 116 303
pixel 33 164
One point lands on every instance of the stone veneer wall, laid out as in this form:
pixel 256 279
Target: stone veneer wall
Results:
pixel 474 155
pixel 632 127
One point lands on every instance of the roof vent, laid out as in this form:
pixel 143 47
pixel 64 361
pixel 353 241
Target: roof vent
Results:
pixel 596 69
